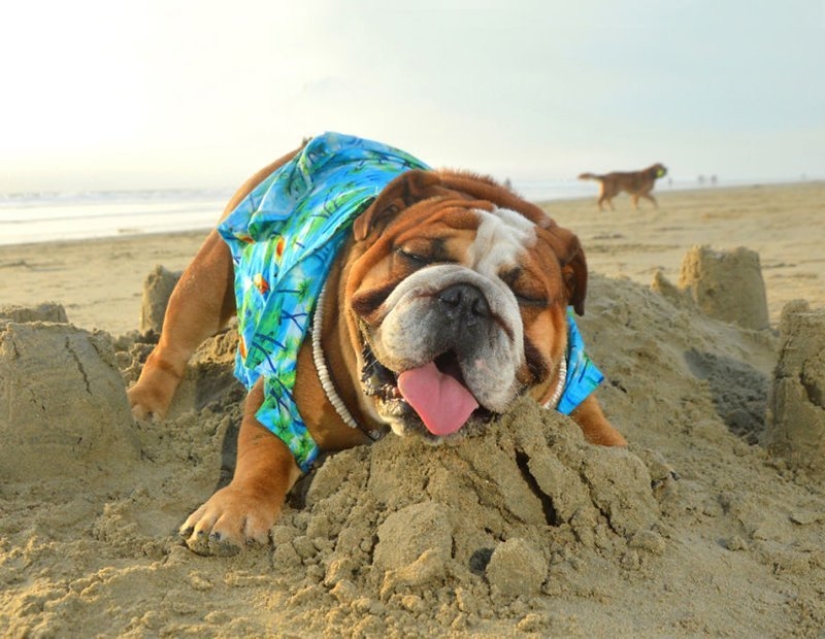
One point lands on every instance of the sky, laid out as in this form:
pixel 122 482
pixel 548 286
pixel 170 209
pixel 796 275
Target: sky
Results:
pixel 101 94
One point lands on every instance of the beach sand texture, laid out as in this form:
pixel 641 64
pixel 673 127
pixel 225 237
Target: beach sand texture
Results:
pixel 712 523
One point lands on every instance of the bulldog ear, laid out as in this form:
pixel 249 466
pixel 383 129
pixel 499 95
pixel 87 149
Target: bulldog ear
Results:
pixel 574 273
pixel 405 190
pixel 573 265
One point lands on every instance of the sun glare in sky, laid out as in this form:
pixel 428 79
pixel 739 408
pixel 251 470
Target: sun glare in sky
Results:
pixel 165 93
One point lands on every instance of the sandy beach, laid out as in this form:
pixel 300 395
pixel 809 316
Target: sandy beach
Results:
pixel 712 523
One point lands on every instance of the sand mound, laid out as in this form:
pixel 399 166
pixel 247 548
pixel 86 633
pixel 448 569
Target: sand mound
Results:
pixel 404 527
pixel 446 510
pixel 46 312
pixel 64 405
pixel 726 285
pixel 797 418
pixel 157 287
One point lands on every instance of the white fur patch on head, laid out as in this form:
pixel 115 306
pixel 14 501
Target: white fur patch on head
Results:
pixel 502 236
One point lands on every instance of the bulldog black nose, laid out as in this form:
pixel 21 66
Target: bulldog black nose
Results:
pixel 464 302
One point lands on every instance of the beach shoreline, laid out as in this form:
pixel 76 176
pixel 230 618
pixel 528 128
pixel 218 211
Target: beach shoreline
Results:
pixel 99 280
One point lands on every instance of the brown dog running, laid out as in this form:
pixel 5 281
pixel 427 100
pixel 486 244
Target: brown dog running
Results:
pixel 447 299
pixel 636 183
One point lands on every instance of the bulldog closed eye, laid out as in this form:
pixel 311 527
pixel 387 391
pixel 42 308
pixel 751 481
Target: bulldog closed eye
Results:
pixel 373 294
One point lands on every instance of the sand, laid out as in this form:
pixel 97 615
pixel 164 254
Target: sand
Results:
pixel 712 522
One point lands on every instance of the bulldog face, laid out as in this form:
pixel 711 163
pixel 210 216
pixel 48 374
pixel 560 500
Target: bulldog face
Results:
pixel 457 297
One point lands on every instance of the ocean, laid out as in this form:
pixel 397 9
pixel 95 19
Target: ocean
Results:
pixel 48 217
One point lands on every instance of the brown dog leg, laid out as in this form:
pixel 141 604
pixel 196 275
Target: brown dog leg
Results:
pixel 201 304
pixel 651 198
pixel 597 430
pixel 243 512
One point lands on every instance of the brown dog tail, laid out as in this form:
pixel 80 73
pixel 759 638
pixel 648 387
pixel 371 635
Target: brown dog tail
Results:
pixel 589 176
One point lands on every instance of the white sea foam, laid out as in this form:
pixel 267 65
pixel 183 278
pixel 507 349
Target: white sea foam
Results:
pixel 45 217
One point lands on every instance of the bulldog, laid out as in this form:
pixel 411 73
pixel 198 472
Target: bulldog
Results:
pixel 373 294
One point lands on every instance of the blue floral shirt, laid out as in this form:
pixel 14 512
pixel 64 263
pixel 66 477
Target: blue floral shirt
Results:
pixel 284 237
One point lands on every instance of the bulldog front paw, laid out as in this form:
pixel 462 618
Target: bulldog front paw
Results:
pixel 229 521
pixel 147 404
pixel 152 394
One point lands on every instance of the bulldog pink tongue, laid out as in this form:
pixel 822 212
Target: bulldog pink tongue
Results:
pixel 441 401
